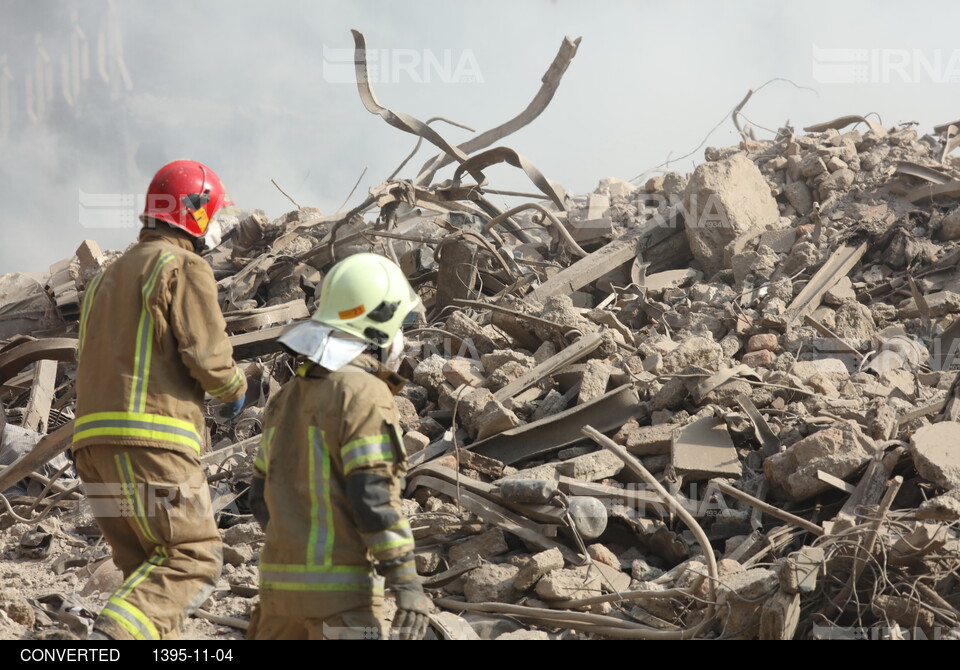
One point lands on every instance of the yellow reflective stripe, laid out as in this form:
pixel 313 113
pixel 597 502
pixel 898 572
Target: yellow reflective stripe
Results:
pixel 350 466
pixel 398 535
pixel 361 443
pixel 136 432
pixel 131 619
pixel 365 450
pixel 143 351
pixel 143 417
pixel 328 506
pixel 229 386
pixel 85 315
pixel 285 577
pixel 293 586
pixel 320 542
pixel 314 500
pixel 324 569
pixel 132 492
pixel 137 424
pixel 263 455
pixel 159 555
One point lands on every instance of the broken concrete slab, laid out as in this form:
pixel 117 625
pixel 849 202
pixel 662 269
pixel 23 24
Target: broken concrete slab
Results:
pixel 646 440
pixel 703 450
pixel 837 452
pixel 591 467
pixel 594 382
pixel 490 583
pixel 568 584
pixel 485 545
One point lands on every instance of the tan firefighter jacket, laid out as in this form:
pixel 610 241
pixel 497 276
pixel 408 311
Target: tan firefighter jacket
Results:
pixel 321 429
pixel 152 340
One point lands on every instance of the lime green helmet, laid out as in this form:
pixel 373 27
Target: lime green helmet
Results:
pixel 367 296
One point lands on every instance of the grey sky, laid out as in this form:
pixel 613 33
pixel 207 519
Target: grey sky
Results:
pixel 244 86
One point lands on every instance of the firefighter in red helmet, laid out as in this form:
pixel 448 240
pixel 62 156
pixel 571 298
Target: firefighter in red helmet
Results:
pixel 152 341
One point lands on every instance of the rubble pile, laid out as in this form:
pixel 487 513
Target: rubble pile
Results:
pixel 713 405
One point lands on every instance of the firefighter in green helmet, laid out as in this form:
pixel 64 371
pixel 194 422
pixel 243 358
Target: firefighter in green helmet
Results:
pixel 326 486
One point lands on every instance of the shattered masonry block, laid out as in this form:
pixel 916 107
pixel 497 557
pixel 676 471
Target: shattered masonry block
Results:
pixel 429 373
pixel 491 583
pixel 569 584
pixel 537 566
pixel 414 442
pixel 592 467
pixel 485 545
pixel 645 440
pixel 699 351
pixel 936 454
pixel 493 361
pixel 593 384
pixel 725 199
pixel 759 359
pixel 460 371
pixel 762 342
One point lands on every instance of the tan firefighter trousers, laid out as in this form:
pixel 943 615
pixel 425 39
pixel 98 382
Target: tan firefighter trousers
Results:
pixel 153 507
pixel 364 623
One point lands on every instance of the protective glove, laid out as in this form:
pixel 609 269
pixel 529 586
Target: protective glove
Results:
pixel 230 409
pixel 413 606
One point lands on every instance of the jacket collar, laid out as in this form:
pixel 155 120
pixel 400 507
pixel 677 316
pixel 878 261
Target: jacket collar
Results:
pixel 364 362
pixel 162 231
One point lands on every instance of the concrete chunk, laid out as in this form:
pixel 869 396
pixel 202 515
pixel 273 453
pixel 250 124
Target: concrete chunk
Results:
pixel 592 467
pixel 723 200
pixel 645 440
pixel 490 583
pixel 936 453
pixel 835 451
pixel 460 371
pixel 491 543
pixel 703 450
pixel 493 361
pixel 414 442
pixel 569 584
pixel 737 596
pixel 593 384
pixel 495 418
pixel 538 566
pixel 699 351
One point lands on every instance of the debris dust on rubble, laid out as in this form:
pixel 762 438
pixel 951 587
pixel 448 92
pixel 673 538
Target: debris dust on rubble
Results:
pixel 721 404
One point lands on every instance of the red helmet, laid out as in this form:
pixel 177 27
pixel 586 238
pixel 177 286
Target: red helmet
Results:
pixel 185 194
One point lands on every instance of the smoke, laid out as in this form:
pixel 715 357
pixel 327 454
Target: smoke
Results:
pixel 96 95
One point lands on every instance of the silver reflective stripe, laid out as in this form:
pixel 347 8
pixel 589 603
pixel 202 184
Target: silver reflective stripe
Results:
pixel 87 306
pixel 313 577
pixel 320 545
pixel 132 492
pixel 141 425
pixel 391 538
pixel 375 448
pixel 138 400
pixel 140 631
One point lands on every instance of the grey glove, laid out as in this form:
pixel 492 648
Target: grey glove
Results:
pixel 413 606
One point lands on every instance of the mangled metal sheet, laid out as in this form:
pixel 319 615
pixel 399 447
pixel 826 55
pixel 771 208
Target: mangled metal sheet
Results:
pixel 608 412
